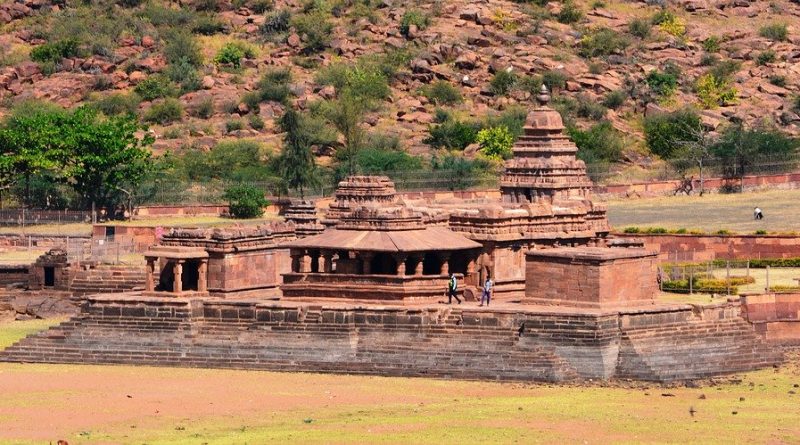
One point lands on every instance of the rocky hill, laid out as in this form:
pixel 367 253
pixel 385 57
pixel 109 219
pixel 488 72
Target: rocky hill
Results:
pixel 732 59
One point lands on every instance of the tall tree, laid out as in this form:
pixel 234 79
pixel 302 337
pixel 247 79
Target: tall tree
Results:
pixel 740 149
pixel 107 157
pixel 296 163
pixel 346 114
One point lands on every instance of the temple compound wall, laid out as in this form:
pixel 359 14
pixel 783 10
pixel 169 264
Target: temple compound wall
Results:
pixel 671 343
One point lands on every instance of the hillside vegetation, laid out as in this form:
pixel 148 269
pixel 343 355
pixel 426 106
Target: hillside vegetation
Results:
pixel 384 85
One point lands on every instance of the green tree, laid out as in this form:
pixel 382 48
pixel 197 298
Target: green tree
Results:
pixel 245 201
pixel 297 164
pixel 662 130
pixel 496 142
pixel 346 114
pixel 106 157
pixel 740 148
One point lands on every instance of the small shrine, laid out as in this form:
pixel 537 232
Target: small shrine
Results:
pixel 50 271
pixel 377 253
pixel 355 191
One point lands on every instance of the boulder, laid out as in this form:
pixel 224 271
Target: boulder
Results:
pixel 27 69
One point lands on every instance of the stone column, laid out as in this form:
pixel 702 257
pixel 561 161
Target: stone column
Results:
pixel 202 276
pixel 148 285
pixel 366 259
pixel 445 257
pixel 177 284
pixel 320 260
pixel 327 263
pixel 420 265
pixel 471 266
pixel 400 259
pixel 305 263
pixel 297 260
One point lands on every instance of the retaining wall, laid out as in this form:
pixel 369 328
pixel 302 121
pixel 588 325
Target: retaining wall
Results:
pixel 671 343
pixel 688 247
pixel 775 316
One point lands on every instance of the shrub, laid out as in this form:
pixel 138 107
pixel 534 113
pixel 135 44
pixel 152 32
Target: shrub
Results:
pixel 208 25
pixel 775 31
pixel 55 51
pixel 570 13
pixel 765 57
pixel 512 118
pixel 161 16
pixel 232 54
pixel 245 201
pixel 639 28
pixel 413 17
pixel 182 47
pixel 700 285
pixel 276 23
pixel 531 84
pixel 117 103
pixel 185 75
pixel 255 121
pixel 554 79
pixel 496 142
pixel 452 134
pixel 233 125
pixel 630 230
pixel 601 42
pixel 725 69
pixel 714 92
pixel 442 92
pixel 614 99
pixel 709 60
pixel 375 160
pixel 502 82
pixel 663 84
pixel 155 86
pixel 761 232
pixel 663 131
pixel 711 44
pixel 253 100
pixel 363 80
pixel 206 5
pixel 205 109
pixel 589 109
pixel 170 110
pixel 777 80
pixel 669 23
pixel 599 144
pixel 315 28
pixel 102 83
pixel 274 85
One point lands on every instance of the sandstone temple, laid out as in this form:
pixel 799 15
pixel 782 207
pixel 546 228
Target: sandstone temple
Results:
pixel 357 286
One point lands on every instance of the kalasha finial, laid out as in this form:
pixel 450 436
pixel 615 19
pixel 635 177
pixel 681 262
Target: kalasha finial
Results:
pixel 544 96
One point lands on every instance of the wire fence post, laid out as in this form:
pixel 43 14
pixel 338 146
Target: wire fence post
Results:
pixel 766 289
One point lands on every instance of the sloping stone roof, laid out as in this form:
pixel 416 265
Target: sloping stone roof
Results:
pixel 414 240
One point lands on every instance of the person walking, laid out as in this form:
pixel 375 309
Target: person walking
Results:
pixel 757 213
pixel 487 291
pixel 452 289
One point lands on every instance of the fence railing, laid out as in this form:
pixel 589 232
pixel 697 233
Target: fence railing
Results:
pixel 22 216
pixel 727 277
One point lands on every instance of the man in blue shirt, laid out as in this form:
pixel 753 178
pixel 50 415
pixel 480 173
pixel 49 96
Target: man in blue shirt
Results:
pixel 487 291
pixel 452 289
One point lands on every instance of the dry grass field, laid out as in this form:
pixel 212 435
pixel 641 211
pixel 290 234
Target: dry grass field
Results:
pixel 710 213
pixel 144 405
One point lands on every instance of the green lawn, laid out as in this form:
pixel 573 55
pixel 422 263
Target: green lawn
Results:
pixel 711 212
pixel 137 405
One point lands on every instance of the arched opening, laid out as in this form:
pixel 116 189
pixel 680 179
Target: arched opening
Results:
pixel 411 264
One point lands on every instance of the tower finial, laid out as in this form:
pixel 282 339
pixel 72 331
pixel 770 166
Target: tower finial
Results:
pixel 544 96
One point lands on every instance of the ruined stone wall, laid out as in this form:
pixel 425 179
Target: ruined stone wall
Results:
pixel 258 269
pixel 436 342
pixel 13 273
pixel 775 316
pixel 686 247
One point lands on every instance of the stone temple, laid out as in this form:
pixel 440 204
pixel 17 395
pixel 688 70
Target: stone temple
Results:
pixel 365 295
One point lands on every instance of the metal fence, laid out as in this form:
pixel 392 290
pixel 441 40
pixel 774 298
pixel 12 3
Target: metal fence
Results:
pixel 79 249
pixel 22 217
pixel 727 277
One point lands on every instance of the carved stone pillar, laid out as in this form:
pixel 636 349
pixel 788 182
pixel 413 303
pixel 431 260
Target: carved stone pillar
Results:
pixel 400 259
pixel 202 276
pixel 177 284
pixel 305 263
pixel 327 261
pixel 366 259
pixel 418 268
pixel 471 266
pixel 148 285
pixel 445 269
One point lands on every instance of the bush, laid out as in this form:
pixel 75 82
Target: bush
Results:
pixel 208 26
pixel 765 57
pixel 670 23
pixel 663 132
pixel 374 160
pixel 725 69
pixel 274 85
pixel 599 144
pixel 55 51
pixel 117 103
pixel 363 80
pixel 155 86
pixel 315 28
pixel 700 285
pixel 711 44
pixel 276 23
pixel 245 201
pixel 601 42
pixel 496 142
pixel 232 54
pixel 775 31
pixel 182 47
pixel 206 5
pixel 502 82
pixel 256 123
pixel 205 109
pixel 554 80
pixel 233 125
pixel 570 13
pixel 170 110
pixel 589 109
pixel 161 16
pixel 452 134
pixel 442 92
pixel 630 230
pixel 709 60
pixel 185 75
pixel 714 92
pixel 253 101
pixel 513 118
pixel 662 84
pixel 778 80
pixel 614 99
pixel 639 28
pixel 413 17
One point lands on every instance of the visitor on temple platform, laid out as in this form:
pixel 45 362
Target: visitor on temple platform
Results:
pixel 757 213
pixel 487 291
pixel 452 289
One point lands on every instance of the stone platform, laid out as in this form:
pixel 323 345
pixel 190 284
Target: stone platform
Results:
pixel 506 342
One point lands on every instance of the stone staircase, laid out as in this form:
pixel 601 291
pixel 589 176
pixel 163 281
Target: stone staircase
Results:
pixel 107 278
pixel 698 348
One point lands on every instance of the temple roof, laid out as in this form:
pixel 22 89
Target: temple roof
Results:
pixel 416 240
